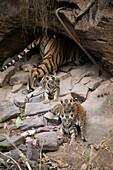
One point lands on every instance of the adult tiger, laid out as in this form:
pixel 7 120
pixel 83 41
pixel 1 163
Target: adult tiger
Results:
pixel 55 51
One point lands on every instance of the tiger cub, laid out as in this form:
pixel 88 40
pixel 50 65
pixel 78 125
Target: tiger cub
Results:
pixel 51 86
pixel 72 114
pixel 55 51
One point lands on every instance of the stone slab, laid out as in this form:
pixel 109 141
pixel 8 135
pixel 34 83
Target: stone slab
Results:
pixel 37 108
pixel 51 140
pixel 50 117
pixel 99 113
pixel 81 90
pixel 7 144
pixel 6 75
pixel 19 77
pixel 8 111
pixel 33 122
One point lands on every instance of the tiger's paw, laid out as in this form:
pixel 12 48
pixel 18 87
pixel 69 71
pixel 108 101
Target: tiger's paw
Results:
pixel 84 138
pixel 33 88
pixel 46 101
pixel 73 142
pixel 56 99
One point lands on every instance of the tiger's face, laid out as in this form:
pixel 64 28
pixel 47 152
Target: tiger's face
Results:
pixel 67 119
pixel 49 81
pixel 66 115
pixel 51 86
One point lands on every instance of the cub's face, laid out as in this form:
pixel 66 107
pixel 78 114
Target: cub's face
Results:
pixel 49 81
pixel 67 119
pixel 66 115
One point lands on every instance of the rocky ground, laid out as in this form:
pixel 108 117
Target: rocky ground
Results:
pixel 25 125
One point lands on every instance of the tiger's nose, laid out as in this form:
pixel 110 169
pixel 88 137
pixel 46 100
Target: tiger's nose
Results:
pixel 67 122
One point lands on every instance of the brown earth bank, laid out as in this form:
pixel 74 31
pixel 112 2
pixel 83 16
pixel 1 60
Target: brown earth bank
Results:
pixel 90 24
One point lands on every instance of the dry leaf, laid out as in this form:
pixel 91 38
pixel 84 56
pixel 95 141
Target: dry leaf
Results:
pixel 60 163
pixel 35 142
pixel 84 167
pixel 5 125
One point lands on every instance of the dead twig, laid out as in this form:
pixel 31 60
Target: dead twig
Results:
pixel 21 154
pixel 59 162
pixel 89 5
pixel 11 159
pixel 41 154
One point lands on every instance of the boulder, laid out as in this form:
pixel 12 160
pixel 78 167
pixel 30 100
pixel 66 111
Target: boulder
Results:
pixel 9 143
pixel 19 101
pixel 99 115
pixel 18 78
pixel 6 75
pixel 50 140
pixel 33 122
pixel 50 117
pixel 32 152
pixel 8 111
pixel 38 108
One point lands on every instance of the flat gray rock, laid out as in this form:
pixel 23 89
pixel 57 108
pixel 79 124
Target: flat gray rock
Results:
pixel 66 86
pixel 6 75
pixel 62 75
pixel 105 91
pixel 65 68
pixel 52 118
pixel 32 151
pixel 8 111
pixel 37 108
pixel 51 140
pixel 39 90
pixel 19 77
pixel 17 88
pixel 7 144
pixel 47 129
pixel 2 138
pixel 19 101
pixel 15 154
pixel 34 122
pixel 92 82
pixel 80 70
pixel 36 99
pixel 99 115
pixel 81 90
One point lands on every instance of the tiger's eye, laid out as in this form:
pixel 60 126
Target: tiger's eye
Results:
pixel 71 115
pixel 47 78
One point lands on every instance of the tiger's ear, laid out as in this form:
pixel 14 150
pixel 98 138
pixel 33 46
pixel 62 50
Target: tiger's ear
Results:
pixel 75 99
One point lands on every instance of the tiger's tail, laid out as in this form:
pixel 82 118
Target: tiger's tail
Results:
pixel 21 55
